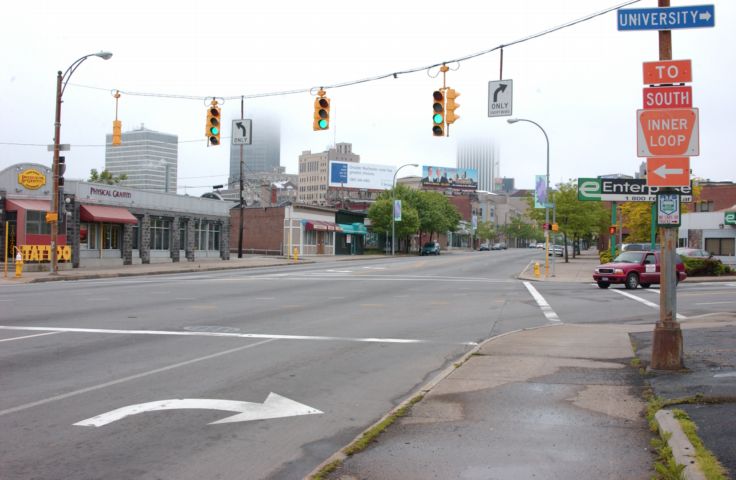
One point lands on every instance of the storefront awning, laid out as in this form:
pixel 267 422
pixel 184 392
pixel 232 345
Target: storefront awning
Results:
pixel 354 229
pixel 103 214
pixel 27 204
pixel 322 226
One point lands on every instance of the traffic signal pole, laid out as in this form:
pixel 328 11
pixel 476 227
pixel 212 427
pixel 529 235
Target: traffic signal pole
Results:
pixel 667 351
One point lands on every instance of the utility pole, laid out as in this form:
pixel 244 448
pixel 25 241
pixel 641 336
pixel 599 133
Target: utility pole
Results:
pixel 667 352
pixel 240 230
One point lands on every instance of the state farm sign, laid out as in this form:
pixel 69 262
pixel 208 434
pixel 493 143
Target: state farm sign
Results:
pixel 667 132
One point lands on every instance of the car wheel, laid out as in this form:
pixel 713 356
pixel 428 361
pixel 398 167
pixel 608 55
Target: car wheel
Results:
pixel 632 281
pixel 645 285
pixel 603 284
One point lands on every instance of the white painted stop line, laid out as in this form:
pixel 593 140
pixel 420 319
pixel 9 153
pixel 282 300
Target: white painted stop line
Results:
pixel 546 309
pixel 645 302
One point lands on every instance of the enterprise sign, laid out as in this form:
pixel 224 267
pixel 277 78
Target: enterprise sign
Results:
pixel 624 190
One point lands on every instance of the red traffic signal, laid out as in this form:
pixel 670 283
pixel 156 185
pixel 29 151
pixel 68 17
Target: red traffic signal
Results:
pixel 612 230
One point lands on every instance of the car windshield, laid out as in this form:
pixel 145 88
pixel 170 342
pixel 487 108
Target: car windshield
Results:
pixel 429 245
pixel 629 257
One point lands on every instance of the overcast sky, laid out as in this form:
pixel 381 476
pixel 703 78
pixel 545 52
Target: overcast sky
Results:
pixel 582 84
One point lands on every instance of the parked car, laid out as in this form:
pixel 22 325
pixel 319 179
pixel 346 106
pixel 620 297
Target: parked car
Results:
pixel 484 247
pixel 693 252
pixel 633 269
pixel 540 245
pixel 498 246
pixel 638 247
pixel 430 248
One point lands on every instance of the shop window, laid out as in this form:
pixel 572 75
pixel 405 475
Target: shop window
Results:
pixel 329 237
pixel 100 236
pixel 720 246
pixel 36 223
pixel 182 235
pixel 160 234
pixel 136 240
pixel 310 237
pixel 206 235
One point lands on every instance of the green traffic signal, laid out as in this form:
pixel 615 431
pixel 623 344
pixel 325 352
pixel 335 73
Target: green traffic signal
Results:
pixel 437 118
pixel 323 124
pixel 214 130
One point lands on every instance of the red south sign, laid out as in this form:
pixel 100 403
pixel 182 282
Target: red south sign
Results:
pixel 668 97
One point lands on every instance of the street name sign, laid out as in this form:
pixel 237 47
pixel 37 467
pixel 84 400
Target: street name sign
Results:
pixel 667 132
pixel 668 71
pixel 242 129
pixel 500 98
pixel 668 97
pixel 623 190
pixel 668 172
pixel 668 210
pixel 666 18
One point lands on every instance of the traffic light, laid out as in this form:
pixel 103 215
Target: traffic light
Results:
pixel 555 227
pixel 62 169
pixel 450 115
pixel 116 134
pixel 438 115
pixel 212 130
pixel 321 112
pixel 612 230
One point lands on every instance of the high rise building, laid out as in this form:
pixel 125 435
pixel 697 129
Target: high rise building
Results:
pixel 148 158
pixel 314 172
pixel 262 156
pixel 481 155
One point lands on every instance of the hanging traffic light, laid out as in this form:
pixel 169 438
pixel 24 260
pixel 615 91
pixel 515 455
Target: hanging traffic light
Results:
pixel 451 105
pixel 212 130
pixel 612 230
pixel 321 112
pixel 438 115
pixel 60 173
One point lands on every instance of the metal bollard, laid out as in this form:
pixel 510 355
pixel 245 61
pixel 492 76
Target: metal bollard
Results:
pixel 536 269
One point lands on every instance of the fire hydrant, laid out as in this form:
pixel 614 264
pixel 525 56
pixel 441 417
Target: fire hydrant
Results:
pixel 18 265
pixel 536 269
pixel 296 253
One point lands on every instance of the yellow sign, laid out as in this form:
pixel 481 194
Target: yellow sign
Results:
pixel 42 253
pixel 52 217
pixel 32 179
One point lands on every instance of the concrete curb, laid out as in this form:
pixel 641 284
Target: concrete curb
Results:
pixel 682 449
pixel 339 456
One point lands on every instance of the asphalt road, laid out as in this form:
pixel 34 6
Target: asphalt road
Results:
pixel 346 341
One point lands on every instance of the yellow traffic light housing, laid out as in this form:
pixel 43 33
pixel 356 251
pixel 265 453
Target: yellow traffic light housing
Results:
pixel 117 126
pixel 321 120
pixel 438 114
pixel 212 130
pixel 451 106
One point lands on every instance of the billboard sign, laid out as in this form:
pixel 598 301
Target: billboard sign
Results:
pixel 361 175
pixel 623 190
pixel 447 177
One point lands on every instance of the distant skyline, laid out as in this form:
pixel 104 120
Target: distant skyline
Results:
pixel 582 84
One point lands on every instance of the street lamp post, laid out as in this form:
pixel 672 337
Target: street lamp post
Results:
pixel 393 201
pixel 546 200
pixel 61 83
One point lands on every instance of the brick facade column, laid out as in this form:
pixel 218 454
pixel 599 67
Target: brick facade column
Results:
pixel 72 231
pixel 224 239
pixel 127 244
pixel 145 244
pixel 175 239
pixel 189 250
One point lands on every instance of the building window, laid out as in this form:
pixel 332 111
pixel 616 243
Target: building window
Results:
pixel 136 238
pixel 100 236
pixel 706 206
pixel 160 234
pixel 310 237
pixel 183 235
pixel 36 223
pixel 206 235
pixel 720 246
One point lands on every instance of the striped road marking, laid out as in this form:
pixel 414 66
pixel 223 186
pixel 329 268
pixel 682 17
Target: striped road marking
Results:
pixel 546 309
pixel 645 302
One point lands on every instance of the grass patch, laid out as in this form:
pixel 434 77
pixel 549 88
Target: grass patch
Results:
pixel 370 436
pixel 712 469
pixel 326 470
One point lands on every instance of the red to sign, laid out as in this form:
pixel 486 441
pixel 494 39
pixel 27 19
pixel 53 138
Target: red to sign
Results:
pixel 668 172
pixel 667 132
pixel 668 71
pixel 668 97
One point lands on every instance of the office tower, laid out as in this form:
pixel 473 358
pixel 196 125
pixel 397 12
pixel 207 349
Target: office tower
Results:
pixel 262 156
pixel 481 155
pixel 147 157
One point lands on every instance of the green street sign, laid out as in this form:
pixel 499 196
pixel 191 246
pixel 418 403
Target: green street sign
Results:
pixel 730 218
pixel 589 189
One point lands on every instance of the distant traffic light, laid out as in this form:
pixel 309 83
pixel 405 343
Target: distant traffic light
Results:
pixel 321 112
pixel 62 170
pixel 612 230
pixel 116 132
pixel 451 105
pixel 438 114
pixel 212 130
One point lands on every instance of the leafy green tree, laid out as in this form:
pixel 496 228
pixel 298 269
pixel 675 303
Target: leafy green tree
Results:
pixel 380 214
pixel 105 177
pixel 486 232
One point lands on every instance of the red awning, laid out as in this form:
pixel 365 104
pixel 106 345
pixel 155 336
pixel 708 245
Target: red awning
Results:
pixel 322 226
pixel 27 204
pixel 103 214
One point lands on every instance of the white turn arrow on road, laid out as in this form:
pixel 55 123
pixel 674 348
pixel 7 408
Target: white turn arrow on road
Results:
pixel 663 171
pixel 275 406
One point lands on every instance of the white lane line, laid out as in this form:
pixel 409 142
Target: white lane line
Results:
pixel 224 334
pixel 646 302
pixel 28 336
pixel 715 303
pixel 127 379
pixel 546 309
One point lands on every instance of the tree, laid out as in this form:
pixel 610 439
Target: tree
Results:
pixel 106 177
pixel 381 212
pixel 486 232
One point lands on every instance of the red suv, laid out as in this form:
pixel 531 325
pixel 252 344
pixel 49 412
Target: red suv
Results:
pixel 633 269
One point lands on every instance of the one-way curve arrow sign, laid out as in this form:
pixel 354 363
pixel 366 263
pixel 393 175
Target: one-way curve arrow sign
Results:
pixel 668 172
pixel 275 406
pixel 500 98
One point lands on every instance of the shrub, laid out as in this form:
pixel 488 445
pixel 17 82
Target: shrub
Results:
pixel 605 256
pixel 703 267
